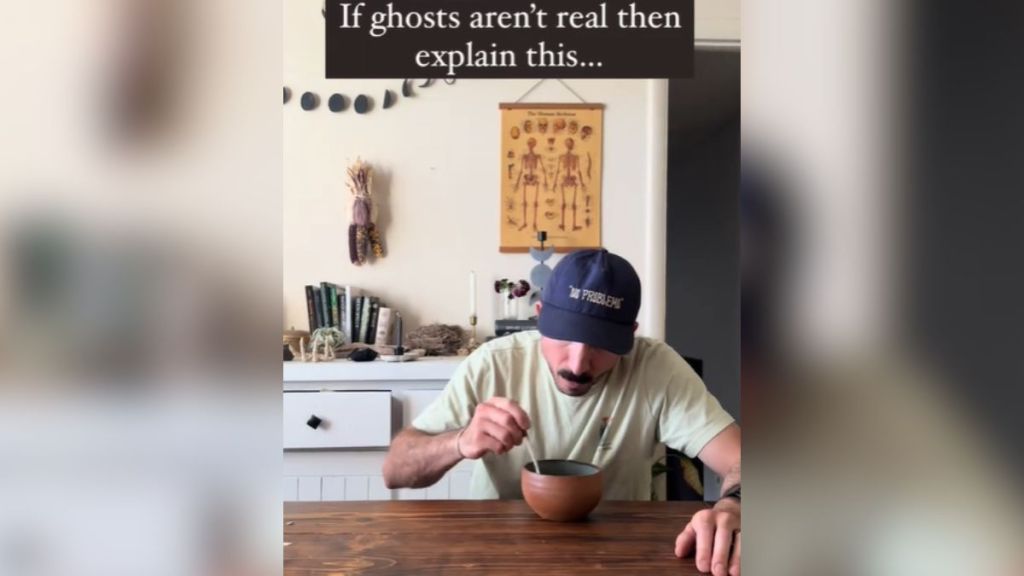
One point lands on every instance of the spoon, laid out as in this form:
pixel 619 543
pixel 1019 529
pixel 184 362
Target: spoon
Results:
pixel 529 448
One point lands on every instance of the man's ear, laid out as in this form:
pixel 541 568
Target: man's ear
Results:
pixel 537 307
pixel 635 326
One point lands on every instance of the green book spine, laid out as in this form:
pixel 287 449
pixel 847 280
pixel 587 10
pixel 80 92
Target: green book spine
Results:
pixel 310 310
pixel 318 306
pixel 334 307
pixel 325 303
pixel 358 321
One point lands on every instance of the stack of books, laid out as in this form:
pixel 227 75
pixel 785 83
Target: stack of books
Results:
pixel 362 317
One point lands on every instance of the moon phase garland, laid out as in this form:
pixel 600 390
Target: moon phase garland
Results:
pixel 362 103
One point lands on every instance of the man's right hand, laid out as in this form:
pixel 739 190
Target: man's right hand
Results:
pixel 498 425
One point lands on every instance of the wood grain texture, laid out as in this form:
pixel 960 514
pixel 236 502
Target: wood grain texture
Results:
pixel 481 537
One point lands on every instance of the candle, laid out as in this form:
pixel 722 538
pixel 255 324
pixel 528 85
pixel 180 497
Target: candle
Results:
pixel 399 329
pixel 472 293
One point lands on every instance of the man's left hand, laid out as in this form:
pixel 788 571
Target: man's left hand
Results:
pixel 711 536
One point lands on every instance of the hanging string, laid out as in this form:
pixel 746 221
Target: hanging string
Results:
pixel 560 81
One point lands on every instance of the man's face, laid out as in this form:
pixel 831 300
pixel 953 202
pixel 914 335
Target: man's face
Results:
pixel 575 365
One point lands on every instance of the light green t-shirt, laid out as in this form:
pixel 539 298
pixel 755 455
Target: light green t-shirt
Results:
pixel 651 396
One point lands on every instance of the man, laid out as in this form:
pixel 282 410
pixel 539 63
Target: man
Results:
pixel 583 388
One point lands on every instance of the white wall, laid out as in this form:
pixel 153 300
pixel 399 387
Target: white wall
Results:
pixel 437 179
pixel 716 20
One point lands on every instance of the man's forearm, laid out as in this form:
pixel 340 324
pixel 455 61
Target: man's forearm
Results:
pixel 417 459
pixel 731 479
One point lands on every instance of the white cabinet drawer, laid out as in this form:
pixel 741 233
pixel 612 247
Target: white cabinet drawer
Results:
pixel 347 419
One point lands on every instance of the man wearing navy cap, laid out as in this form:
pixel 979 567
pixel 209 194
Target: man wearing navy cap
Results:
pixel 584 388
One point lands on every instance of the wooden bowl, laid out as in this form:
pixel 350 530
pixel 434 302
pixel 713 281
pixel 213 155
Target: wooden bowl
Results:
pixel 566 491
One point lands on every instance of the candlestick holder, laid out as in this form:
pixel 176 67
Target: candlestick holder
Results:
pixel 541 272
pixel 472 344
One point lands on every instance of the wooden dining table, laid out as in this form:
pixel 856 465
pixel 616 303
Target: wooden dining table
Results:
pixel 481 537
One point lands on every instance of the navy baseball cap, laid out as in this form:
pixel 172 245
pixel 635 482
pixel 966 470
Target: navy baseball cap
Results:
pixel 593 297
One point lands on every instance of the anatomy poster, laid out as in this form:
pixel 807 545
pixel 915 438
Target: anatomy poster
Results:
pixel 551 175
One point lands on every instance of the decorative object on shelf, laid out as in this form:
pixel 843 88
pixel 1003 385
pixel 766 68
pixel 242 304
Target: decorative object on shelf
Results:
pixel 346 350
pixel 436 339
pixel 541 272
pixel 407 356
pixel 293 338
pixel 399 349
pixel 325 344
pixel 363 355
pixel 472 343
pixel 551 157
pixel 363 236
pixel 362 103
pixel 510 293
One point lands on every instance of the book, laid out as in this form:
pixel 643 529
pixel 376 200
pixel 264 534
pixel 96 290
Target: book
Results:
pixel 309 308
pixel 333 305
pixel 357 322
pixel 364 318
pixel 383 327
pixel 350 312
pixel 342 314
pixel 371 330
pixel 318 307
pixel 325 303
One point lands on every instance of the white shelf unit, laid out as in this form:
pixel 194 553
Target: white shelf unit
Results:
pixel 361 406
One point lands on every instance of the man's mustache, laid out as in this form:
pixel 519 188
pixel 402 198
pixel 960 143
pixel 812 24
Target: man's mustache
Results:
pixel 571 376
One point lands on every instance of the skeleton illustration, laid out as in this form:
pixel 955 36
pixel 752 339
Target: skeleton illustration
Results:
pixel 572 177
pixel 529 164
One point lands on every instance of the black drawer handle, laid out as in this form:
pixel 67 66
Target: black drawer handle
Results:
pixel 314 422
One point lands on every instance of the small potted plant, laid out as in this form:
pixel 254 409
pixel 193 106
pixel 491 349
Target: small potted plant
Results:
pixel 510 293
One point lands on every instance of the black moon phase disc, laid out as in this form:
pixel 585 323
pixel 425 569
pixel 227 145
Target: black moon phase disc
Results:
pixel 337 103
